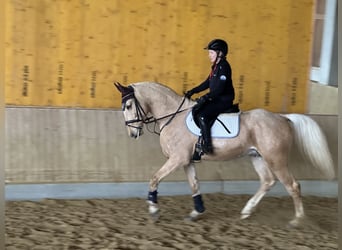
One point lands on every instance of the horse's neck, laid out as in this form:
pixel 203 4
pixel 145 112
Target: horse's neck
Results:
pixel 161 103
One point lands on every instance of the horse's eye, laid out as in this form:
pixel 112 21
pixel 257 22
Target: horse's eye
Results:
pixel 128 107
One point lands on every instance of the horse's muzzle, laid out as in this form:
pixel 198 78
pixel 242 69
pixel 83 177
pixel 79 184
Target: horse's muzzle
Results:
pixel 136 133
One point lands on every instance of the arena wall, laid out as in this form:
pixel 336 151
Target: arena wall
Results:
pixel 47 145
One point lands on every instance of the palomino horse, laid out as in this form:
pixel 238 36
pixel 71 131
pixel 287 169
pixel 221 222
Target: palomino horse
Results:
pixel 264 136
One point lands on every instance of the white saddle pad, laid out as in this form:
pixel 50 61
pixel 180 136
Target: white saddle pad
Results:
pixel 227 125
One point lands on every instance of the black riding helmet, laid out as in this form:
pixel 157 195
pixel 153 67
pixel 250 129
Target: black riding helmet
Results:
pixel 218 44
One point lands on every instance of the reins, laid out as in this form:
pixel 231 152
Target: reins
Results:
pixel 173 115
pixel 148 120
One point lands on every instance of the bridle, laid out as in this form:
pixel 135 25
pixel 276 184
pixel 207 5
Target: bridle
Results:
pixel 142 115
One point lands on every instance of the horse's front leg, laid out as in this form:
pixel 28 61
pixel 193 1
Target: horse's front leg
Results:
pixel 196 195
pixel 170 165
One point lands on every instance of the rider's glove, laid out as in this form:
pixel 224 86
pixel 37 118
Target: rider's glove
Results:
pixel 202 100
pixel 189 93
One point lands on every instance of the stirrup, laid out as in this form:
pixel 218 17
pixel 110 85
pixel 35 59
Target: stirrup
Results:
pixel 196 157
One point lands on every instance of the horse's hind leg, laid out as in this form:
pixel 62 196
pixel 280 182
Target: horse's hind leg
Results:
pixel 196 195
pixel 293 188
pixel 267 181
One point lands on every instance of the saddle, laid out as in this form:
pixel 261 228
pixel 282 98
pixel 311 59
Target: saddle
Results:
pixel 226 125
pixel 232 109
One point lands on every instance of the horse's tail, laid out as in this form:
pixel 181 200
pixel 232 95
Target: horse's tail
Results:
pixel 312 143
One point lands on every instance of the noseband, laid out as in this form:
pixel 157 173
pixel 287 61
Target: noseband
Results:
pixel 142 115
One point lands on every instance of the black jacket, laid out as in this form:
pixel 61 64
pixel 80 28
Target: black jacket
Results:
pixel 220 83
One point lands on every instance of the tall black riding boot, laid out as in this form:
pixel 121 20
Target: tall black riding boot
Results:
pixel 206 135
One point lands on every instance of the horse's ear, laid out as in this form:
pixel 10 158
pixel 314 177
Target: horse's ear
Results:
pixel 119 86
pixel 125 91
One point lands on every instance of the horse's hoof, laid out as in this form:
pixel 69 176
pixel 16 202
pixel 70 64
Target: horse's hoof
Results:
pixel 153 207
pixel 244 216
pixel 293 224
pixel 155 216
pixel 189 218
pixel 193 216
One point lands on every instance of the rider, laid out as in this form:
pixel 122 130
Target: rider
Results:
pixel 221 91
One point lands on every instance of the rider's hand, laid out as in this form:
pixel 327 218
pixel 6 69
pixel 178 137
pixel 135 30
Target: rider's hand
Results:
pixel 202 100
pixel 189 93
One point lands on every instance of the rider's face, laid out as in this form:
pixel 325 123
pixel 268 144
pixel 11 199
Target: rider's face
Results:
pixel 212 55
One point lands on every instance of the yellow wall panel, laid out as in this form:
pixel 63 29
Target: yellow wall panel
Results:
pixel 68 53
pixel 300 36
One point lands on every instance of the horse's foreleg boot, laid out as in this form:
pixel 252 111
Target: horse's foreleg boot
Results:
pixel 198 203
pixel 152 201
pixel 199 208
pixel 152 196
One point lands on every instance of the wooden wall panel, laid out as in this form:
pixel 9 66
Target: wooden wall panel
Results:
pixel 67 53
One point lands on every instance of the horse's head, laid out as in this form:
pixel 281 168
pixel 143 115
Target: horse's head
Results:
pixel 133 113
